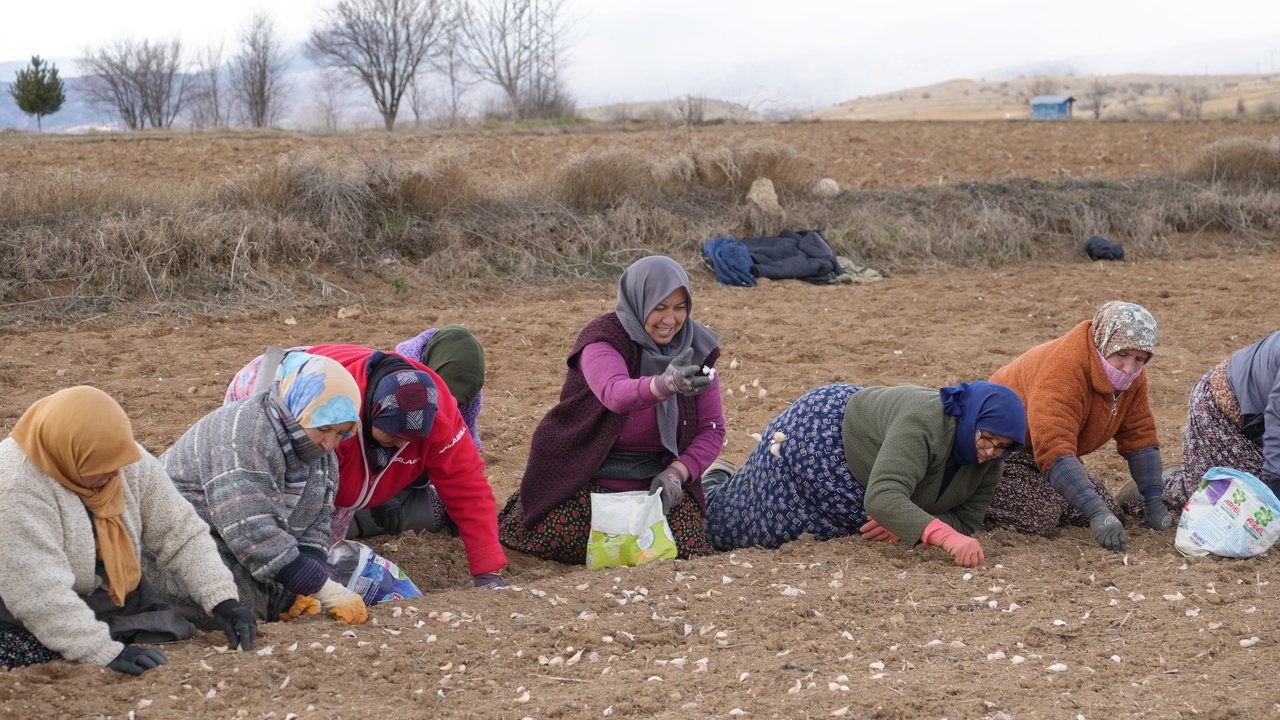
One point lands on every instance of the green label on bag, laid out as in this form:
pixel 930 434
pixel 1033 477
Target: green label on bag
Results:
pixel 605 550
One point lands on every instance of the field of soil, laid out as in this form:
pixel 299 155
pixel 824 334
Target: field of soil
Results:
pixel 875 631
pixel 867 154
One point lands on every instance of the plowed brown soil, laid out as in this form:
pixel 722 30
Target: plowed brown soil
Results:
pixel 878 631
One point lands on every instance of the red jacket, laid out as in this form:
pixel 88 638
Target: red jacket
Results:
pixel 447 456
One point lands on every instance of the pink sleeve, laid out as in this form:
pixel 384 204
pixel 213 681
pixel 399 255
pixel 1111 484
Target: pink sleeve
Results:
pixel 709 439
pixel 607 375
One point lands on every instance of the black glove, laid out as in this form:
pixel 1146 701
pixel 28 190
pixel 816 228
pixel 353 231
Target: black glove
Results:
pixel 684 379
pixel 1106 527
pixel 1156 516
pixel 135 660
pixel 237 622
pixel 389 516
pixel 671 485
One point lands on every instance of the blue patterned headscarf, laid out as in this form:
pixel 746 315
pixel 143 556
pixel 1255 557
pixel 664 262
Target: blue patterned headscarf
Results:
pixel 318 391
pixel 987 406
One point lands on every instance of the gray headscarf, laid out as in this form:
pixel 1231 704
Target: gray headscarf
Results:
pixel 641 288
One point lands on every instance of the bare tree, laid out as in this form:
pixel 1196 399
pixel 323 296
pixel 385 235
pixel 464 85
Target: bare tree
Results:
pixel 496 36
pixel 1198 96
pixel 207 105
pixel 327 88
pixel 1041 85
pixel 382 42
pixel 452 64
pixel 1181 99
pixel 515 44
pixel 1096 93
pixel 258 72
pixel 145 83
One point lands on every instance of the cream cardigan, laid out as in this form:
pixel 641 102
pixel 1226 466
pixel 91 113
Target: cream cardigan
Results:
pixel 47 554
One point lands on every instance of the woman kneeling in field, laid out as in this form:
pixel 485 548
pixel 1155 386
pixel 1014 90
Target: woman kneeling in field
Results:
pixel 79 501
pixel 1082 390
pixel 1233 420
pixel 262 472
pixel 635 413
pixel 893 463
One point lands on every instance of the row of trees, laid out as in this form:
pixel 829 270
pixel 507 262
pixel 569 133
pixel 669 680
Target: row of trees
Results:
pixel 387 47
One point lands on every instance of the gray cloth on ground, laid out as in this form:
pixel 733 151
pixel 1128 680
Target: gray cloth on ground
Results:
pixel 803 255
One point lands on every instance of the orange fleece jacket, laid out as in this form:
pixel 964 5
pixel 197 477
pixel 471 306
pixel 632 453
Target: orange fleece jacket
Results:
pixel 1070 400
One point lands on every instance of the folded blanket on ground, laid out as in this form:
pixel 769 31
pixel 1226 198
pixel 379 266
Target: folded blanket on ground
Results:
pixel 803 255
pixel 731 260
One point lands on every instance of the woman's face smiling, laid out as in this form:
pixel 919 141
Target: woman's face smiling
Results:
pixel 665 320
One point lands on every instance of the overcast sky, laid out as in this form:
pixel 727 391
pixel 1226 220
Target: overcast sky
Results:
pixel 803 51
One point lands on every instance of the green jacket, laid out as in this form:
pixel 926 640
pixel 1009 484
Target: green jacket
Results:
pixel 898 442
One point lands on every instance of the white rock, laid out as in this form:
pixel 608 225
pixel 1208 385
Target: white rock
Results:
pixel 1057 667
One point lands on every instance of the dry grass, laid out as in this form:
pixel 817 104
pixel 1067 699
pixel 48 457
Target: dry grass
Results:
pixel 1242 161
pixel 601 181
pixel 282 231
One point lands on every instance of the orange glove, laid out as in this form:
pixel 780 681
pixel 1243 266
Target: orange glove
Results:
pixel 876 532
pixel 342 604
pixel 302 605
pixel 963 549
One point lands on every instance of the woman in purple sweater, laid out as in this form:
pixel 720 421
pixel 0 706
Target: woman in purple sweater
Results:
pixel 636 412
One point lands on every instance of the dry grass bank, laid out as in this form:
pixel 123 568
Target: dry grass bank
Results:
pixel 293 229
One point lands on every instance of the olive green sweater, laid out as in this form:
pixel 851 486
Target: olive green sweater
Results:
pixel 898 441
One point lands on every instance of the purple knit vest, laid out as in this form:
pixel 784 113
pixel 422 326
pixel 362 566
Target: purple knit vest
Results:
pixel 573 438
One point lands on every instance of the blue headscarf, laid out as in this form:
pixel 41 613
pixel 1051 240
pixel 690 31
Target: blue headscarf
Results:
pixel 318 391
pixel 983 406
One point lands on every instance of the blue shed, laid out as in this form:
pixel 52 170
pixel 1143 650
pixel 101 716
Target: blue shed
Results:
pixel 1051 107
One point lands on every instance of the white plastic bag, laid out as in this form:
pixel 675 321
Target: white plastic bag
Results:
pixel 1232 514
pixel 368 574
pixel 628 528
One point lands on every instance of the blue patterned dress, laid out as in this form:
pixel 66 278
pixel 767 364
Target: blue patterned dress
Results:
pixel 809 489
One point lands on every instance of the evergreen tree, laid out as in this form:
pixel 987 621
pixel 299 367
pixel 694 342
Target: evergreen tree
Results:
pixel 38 90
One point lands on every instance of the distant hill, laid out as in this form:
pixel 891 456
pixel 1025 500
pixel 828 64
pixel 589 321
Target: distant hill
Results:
pixel 1119 97
pixel 693 109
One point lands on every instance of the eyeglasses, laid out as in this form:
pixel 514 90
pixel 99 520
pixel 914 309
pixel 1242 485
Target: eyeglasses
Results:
pixel 988 442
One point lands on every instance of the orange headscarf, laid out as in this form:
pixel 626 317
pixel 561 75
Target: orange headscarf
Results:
pixel 82 431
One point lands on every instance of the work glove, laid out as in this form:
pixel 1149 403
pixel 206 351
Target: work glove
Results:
pixel 1156 516
pixel 237 622
pixel 1106 527
pixel 341 603
pixel 488 581
pixel 302 605
pixel 963 549
pixel 670 484
pixel 684 379
pixel 389 516
pixel 876 532
pixel 135 660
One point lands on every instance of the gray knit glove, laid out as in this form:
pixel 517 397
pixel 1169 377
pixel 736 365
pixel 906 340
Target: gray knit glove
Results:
pixel 685 379
pixel 1156 516
pixel 1106 527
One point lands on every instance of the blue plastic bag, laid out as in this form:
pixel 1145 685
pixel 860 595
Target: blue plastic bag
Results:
pixel 368 574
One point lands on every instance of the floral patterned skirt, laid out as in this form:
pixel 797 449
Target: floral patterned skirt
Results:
pixel 19 648
pixel 1213 438
pixel 806 488
pixel 1025 501
pixel 563 533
